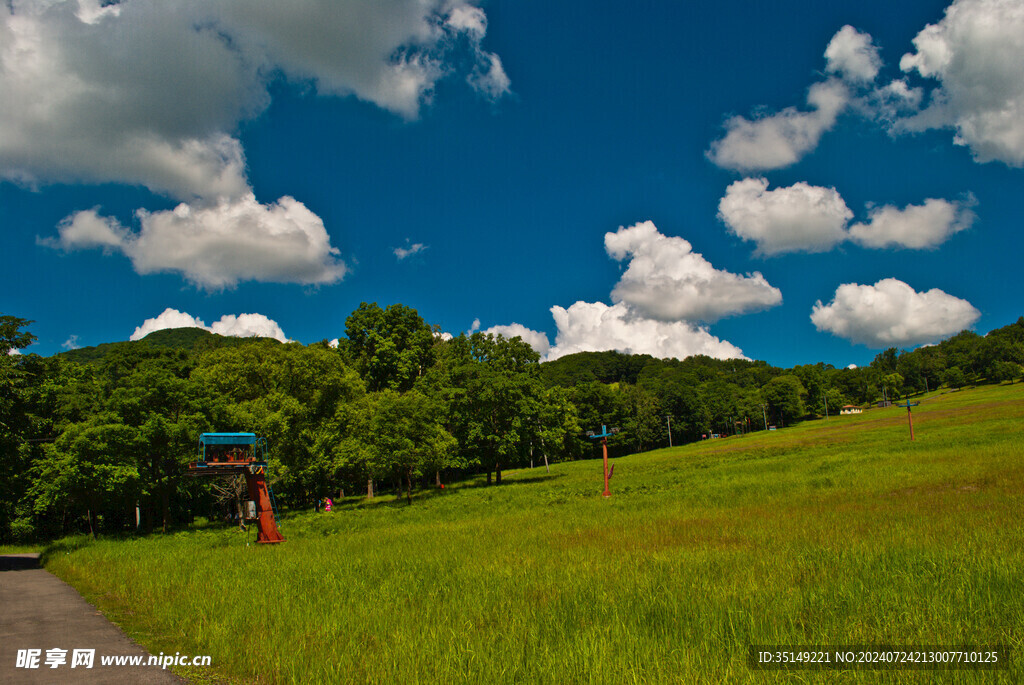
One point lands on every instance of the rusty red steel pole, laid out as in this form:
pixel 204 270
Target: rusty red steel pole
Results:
pixel 604 447
pixel 910 417
pixel 266 526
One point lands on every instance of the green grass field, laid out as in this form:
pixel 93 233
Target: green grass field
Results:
pixel 837 532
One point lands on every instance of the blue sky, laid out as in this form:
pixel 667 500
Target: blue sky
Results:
pixel 661 178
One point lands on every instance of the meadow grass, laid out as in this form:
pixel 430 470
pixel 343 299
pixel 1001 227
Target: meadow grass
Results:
pixel 832 532
pixel 21 548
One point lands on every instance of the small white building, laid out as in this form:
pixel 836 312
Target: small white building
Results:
pixel 850 409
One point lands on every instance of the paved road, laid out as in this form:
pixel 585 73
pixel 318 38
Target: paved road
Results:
pixel 40 611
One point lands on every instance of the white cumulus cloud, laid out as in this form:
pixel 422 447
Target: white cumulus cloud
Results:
pixel 891 313
pixel 219 245
pixel 852 55
pixel 667 281
pixel 976 53
pixel 152 93
pixel 665 291
pixel 535 339
pixel 915 226
pixel 240 326
pixel 799 218
pixel 595 326
pixel 103 93
pixel 778 140
pixel 247 326
pixel 895 100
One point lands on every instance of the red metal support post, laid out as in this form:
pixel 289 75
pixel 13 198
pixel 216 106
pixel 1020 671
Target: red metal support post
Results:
pixel 604 447
pixel 265 525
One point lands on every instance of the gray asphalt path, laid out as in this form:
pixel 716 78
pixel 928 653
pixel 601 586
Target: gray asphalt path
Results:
pixel 40 611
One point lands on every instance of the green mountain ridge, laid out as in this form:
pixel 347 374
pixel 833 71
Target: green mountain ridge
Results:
pixel 191 339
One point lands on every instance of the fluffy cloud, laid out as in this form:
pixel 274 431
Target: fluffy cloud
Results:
pixel 217 246
pixel 86 230
pixel 851 55
pixel 891 102
pixel 388 53
pixel 891 313
pixel 914 226
pixel 975 53
pixel 169 318
pixel 102 94
pixel 535 339
pixel 781 139
pixel 240 326
pixel 799 218
pixel 667 281
pixel 665 289
pixel 594 326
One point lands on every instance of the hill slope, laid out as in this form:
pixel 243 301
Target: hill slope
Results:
pixel 189 339
pixel 837 532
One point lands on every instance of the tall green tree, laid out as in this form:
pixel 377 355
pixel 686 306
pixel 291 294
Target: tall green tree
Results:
pixel 390 347
pixel 784 396
pixel 16 378
pixel 494 392
pixel 407 437
pixel 91 468
pixel 643 419
pixel 290 394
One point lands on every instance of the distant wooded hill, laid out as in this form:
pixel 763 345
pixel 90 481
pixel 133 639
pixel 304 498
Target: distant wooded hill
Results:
pixel 188 339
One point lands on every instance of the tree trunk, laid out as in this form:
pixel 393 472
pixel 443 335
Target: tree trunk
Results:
pixel 488 477
pixel 369 489
pixel 164 506
pixel 497 474
pixel 546 465
pixel 408 482
pixel 88 516
pixel 437 478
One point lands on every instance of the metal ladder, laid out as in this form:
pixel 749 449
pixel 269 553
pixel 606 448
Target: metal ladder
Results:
pixel 273 502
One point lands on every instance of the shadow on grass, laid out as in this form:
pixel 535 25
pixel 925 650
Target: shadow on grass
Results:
pixel 63 546
pixel 390 500
pixel 511 480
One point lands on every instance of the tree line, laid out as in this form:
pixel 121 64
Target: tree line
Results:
pixel 91 440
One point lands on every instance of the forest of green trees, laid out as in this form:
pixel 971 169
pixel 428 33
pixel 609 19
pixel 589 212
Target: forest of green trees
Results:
pixel 89 437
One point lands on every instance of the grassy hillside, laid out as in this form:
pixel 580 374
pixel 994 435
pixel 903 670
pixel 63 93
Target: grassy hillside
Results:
pixel 830 533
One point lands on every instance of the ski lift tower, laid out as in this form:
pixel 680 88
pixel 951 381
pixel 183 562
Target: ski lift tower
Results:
pixel 910 419
pixel 604 435
pixel 233 454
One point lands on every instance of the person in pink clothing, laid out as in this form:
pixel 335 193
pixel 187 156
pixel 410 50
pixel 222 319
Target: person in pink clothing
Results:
pixel 327 505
